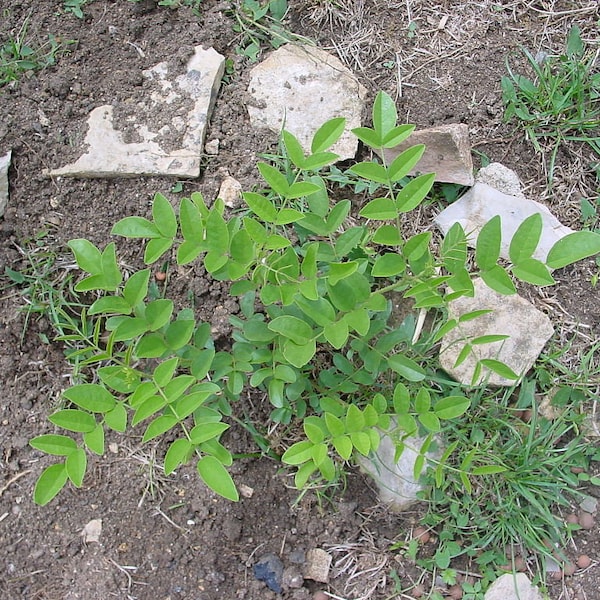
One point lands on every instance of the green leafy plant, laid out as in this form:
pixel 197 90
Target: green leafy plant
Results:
pixel 259 23
pixel 562 101
pixel 75 7
pixel 316 333
pixel 19 55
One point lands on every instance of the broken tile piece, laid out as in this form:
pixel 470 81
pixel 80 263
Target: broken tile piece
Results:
pixel 318 563
pixel 299 88
pixel 528 329
pixel 4 165
pixel 483 202
pixel 447 153
pixel 110 155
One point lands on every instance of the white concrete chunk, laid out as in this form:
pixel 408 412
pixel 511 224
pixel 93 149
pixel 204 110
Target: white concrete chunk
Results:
pixel 483 202
pixel 299 88
pixel 230 192
pixel 501 178
pixel 4 165
pixel 447 153
pixel 395 479
pixel 528 330
pixel 513 586
pixel 110 155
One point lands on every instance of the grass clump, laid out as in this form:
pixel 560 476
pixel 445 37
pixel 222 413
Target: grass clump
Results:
pixel 19 55
pixel 561 102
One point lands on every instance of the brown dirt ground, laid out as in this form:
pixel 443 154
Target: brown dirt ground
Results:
pixel 170 538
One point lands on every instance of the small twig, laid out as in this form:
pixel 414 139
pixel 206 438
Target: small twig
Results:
pixel 12 480
pixel 124 570
pixel 162 514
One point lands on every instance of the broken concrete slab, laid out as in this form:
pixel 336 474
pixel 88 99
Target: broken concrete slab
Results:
pixel 299 88
pixel 513 586
pixel 4 166
pixel 501 178
pixel 395 479
pixel 528 329
pixel 176 147
pixel 482 202
pixel 447 153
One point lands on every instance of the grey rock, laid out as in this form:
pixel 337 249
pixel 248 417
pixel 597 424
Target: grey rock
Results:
pixel 589 504
pixel 299 88
pixel 395 479
pixel 447 153
pixel 528 330
pixel 292 578
pixel 482 202
pixel 513 586
pixel 109 155
pixel 4 166
pixel 269 569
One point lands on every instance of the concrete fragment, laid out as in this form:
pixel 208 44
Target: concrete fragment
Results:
pixel 299 88
pixel 109 155
pixel 395 479
pixel 483 202
pixel 231 192
pixel 212 147
pixel 528 330
pixel 245 490
pixel 92 531
pixel 447 153
pixel 318 563
pixel 501 178
pixel 513 586
pixel 4 165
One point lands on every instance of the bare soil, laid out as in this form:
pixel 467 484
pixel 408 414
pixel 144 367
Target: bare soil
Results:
pixel 171 538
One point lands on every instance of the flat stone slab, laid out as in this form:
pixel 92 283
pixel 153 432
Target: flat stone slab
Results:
pixel 513 586
pixel 174 148
pixel 4 165
pixel 299 88
pixel 528 329
pixel 482 202
pixel 447 153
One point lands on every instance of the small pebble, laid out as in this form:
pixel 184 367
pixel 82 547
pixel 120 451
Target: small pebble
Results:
pixel 520 564
pixel 160 276
pixel 569 568
pixel 456 592
pixel 586 520
pixel 418 591
pixel 584 561
pixel 572 519
pixel 320 596
pixel 421 534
